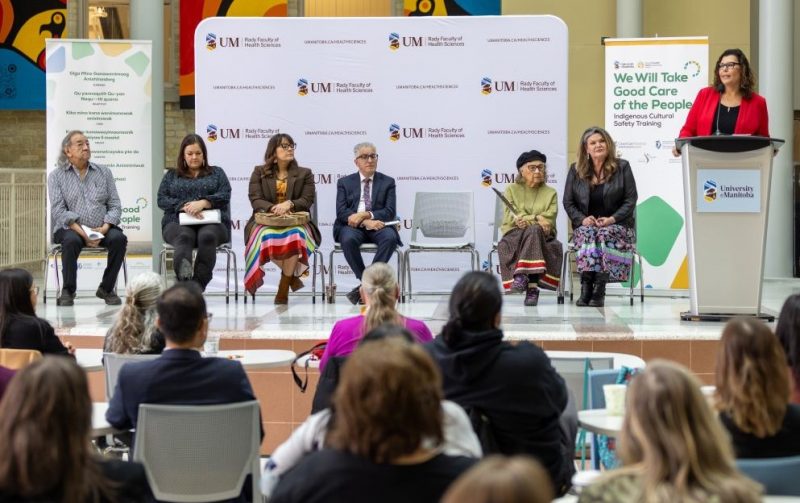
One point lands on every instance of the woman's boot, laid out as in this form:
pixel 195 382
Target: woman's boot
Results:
pixel 295 284
pixel 599 291
pixel 282 297
pixel 587 285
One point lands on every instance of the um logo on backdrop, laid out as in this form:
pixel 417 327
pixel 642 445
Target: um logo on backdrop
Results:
pixel 213 41
pixel 396 41
pixel 710 191
pixel 396 132
pixel 213 133
pixel 488 86
pixel 304 87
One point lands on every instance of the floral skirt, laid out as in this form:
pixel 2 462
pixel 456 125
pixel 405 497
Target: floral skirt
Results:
pixel 276 243
pixel 605 249
pixel 528 251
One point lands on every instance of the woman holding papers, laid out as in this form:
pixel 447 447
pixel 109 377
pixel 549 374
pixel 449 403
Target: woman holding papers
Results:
pixel 530 255
pixel 278 188
pixel 729 106
pixel 186 195
pixel 600 200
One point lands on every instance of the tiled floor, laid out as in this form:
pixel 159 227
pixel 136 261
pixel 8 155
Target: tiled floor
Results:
pixel 649 330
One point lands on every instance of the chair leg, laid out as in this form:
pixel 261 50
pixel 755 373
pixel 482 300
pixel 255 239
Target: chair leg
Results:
pixel 44 287
pixel 400 274
pixel 58 278
pixel 322 274
pixel 227 277
pixel 314 278
pixel 641 278
pixel 235 277
pixel 331 269
pixel 407 265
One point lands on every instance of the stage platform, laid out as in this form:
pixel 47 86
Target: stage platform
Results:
pixel 652 329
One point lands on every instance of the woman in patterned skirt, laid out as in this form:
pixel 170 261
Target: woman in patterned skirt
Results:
pixel 600 199
pixel 280 186
pixel 530 255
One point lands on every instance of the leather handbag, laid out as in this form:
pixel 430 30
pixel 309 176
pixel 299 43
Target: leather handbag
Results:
pixel 287 220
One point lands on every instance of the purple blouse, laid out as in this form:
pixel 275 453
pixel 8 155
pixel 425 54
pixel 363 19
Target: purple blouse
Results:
pixel 348 332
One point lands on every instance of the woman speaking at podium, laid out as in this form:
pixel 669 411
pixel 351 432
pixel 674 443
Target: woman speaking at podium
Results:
pixel 730 106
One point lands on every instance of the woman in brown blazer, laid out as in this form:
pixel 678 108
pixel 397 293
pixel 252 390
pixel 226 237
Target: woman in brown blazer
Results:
pixel 280 186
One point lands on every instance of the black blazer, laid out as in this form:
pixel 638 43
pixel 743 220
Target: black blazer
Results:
pixel 619 192
pixel 29 332
pixel 178 377
pixel 348 196
pixel 263 192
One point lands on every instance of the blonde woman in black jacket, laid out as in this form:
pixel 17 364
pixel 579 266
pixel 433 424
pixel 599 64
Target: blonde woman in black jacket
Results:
pixel 600 199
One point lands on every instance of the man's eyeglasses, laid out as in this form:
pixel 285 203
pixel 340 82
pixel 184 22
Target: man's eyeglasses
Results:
pixel 288 146
pixel 367 157
pixel 728 66
pixel 80 144
pixel 535 167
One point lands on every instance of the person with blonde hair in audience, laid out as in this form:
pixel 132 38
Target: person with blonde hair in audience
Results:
pixel 753 390
pixel 500 479
pixel 380 292
pixel 134 329
pixel 385 438
pixel 45 421
pixel 788 331
pixel 671 446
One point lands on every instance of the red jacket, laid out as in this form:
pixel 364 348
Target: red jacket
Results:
pixel 753 118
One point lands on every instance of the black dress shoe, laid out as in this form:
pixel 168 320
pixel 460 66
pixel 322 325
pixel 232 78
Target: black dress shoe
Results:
pixel 354 296
pixel 65 299
pixel 111 298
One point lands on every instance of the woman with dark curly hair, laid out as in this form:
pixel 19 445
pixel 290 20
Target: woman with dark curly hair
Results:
pixel 278 187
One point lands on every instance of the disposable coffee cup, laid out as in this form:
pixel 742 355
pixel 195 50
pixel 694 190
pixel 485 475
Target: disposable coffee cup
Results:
pixel 708 394
pixel 584 478
pixel 615 399
pixel 211 347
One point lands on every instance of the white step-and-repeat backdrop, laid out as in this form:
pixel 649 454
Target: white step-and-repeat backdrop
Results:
pixel 450 104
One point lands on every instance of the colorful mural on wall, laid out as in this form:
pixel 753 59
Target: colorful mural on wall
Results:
pixel 451 7
pixel 192 12
pixel 24 26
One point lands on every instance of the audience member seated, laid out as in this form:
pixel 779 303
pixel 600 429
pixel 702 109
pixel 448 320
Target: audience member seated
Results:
pixel 134 328
pixel 384 443
pixel 5 378
pixel 513 386
pixel 20 328
pixel 753 390
pixel 498 479
pixel 788 331
pixel 671 446
pixel 45 421
pixel 180 376
pixel 380 292
pixel 459 438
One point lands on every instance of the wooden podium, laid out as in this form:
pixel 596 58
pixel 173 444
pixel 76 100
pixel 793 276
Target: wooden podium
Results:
pixel 726 184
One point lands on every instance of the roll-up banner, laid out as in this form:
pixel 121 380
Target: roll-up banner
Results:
pixel 650 86
pixel 103 88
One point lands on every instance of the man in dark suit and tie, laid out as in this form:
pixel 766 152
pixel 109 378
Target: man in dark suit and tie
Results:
pixel 181 376
pixel 365 201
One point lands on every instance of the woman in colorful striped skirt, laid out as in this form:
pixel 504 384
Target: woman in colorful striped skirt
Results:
pixel 600 199
pixel 280 186
pixel 530 255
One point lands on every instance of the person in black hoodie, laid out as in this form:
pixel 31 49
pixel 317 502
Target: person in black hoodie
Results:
pixel 511 392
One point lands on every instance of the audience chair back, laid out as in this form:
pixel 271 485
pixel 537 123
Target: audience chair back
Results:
pixel 18 358
pixel 113 362
pixel 575 372
pixel 195 453
pixel 779 476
